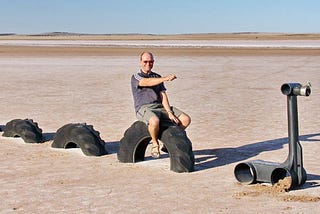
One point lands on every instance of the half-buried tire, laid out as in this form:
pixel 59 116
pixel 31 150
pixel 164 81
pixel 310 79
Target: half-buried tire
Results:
pixel 179 148
pixel 81 135
pixel 136 139
pixel 134 143
pixel 27 129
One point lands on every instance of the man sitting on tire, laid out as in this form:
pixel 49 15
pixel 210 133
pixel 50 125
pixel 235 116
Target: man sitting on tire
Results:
pixel 151 101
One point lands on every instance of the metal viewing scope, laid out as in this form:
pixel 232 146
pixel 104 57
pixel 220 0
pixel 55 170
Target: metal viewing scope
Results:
pixel 271 172
pixel 297 89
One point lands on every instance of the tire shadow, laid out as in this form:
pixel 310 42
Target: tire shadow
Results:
pixel 112 147
pixel 210 158
pixel 48 136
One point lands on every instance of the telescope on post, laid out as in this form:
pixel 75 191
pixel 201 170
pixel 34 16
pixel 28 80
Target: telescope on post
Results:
pixel 259 171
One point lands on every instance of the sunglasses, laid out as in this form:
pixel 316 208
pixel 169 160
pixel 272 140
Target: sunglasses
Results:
pixel 150 62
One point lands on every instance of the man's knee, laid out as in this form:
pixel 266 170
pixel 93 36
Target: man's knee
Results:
pixel 154 121
pixel 185 120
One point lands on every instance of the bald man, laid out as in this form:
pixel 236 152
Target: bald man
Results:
pixel 151 101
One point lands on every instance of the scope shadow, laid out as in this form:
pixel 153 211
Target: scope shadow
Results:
pixel 210 158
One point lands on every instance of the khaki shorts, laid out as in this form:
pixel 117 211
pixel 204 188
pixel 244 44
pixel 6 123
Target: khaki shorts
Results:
pixel 155 109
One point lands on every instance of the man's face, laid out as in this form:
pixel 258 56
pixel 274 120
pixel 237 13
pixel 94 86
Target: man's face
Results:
pixel 146 62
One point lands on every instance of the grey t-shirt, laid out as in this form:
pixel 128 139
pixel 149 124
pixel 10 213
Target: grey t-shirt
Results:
pixel 145 95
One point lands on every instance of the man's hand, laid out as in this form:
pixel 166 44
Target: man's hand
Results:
pixel 171 77
pixel 173 118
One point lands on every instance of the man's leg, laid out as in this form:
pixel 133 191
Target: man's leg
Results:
pixel 153 128
pixel 185 121
pixel 150 115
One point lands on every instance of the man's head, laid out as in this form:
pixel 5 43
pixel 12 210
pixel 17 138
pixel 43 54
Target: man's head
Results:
pixel 146 62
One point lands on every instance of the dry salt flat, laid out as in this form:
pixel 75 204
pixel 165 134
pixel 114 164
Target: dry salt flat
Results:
pixel 238 114
pixel 312 44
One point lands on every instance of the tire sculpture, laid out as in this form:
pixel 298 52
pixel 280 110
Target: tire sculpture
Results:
pixel 136 139
pixel 134 143
pixel 81 135
pixel 180 149
pixel 27 129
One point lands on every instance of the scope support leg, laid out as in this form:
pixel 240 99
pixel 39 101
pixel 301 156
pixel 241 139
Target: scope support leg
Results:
pixel 294 161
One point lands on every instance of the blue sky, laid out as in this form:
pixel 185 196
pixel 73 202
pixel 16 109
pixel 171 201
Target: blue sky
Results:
pixel 159 16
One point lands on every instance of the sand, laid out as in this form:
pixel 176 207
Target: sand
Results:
pixel 238 114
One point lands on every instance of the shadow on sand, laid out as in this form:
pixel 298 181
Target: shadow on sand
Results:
pixel 223 156
pixel 210 158
pixel 112 147
pixel 48 136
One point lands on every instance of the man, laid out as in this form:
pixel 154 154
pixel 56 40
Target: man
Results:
pixel 151 101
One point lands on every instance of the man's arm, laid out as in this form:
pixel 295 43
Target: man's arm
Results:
pixel 166 105
pixel 156 81
pixel 165 101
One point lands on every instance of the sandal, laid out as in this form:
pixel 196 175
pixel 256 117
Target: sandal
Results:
pixel 155 153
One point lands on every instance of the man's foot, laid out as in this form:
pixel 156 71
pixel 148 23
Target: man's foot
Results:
pixel 164 149
pixel 155 153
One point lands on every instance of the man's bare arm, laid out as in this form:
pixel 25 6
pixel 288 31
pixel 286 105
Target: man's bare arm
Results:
pixel 156 81
pixel 166 105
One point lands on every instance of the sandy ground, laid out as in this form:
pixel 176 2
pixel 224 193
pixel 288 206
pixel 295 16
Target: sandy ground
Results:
pixel 238 114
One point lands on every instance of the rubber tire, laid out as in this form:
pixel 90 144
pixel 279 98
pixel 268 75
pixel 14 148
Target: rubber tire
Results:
pixel 134 143
pixel 27 129
pixel 136 139
pixel 179 148
pixel 81 135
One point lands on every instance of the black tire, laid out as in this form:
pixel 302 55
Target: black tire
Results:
pixel 179 148
pixel 81 135
pixel 134 143
pixel 27 129
pixel 136 139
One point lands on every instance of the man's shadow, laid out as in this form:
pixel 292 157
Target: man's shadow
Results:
pixel 209 158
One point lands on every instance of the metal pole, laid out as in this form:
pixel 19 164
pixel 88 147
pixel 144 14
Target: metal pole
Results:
pixel 295 159
pixel 292 129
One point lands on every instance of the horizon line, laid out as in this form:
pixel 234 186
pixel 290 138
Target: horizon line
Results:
pixel 62 33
